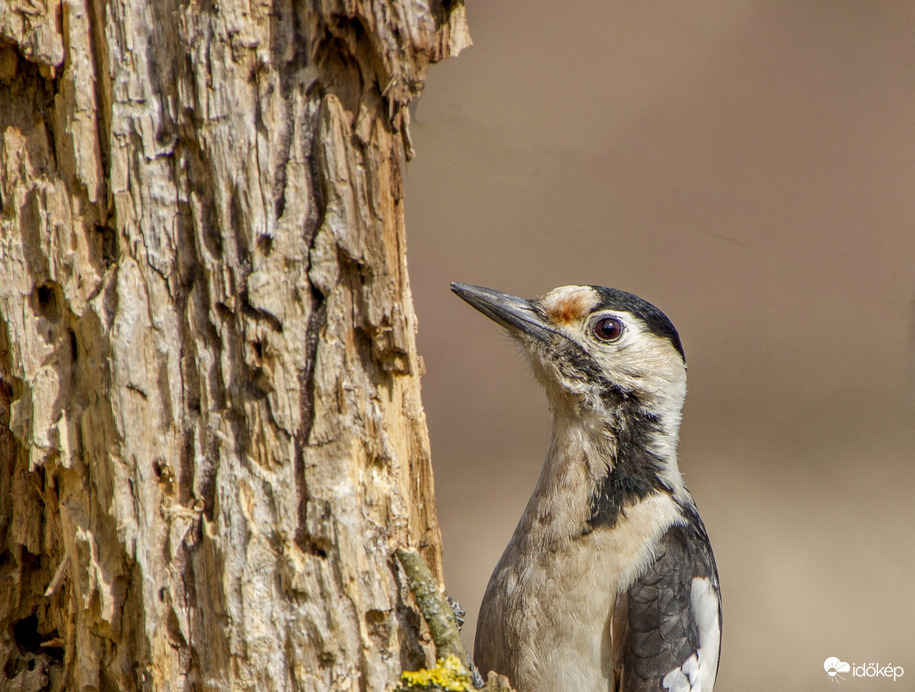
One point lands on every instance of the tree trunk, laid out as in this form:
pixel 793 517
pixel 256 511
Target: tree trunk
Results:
pixel 211 439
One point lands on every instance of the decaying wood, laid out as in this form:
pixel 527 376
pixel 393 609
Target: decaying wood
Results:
pixel 211 438
pixel 435 609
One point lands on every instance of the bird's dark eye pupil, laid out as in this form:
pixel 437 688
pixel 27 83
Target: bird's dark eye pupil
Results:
pixel 608 329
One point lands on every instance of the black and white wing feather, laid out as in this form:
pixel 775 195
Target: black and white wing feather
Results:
pixel 666 628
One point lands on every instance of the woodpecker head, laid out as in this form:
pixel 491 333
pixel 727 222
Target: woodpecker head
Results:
pixel 601 354
pixel 586 341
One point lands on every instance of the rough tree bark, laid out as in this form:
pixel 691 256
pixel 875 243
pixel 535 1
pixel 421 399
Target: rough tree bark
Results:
pixel 211 439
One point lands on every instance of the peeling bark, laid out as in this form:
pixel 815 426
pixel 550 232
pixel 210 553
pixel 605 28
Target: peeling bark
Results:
pixel 211 436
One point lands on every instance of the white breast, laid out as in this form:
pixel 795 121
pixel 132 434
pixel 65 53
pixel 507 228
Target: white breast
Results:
pixel 560 594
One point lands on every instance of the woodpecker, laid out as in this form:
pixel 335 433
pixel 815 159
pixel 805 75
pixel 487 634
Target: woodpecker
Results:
pixel 609 582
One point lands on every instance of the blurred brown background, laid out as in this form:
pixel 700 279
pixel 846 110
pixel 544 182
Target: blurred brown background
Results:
pixel 749 167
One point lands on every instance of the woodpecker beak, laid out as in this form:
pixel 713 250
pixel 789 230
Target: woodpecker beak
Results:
pixel 513 313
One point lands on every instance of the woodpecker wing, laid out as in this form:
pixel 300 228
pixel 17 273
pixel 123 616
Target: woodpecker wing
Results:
pixel 666 628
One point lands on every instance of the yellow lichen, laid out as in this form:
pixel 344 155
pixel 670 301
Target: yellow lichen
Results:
pixel 449 674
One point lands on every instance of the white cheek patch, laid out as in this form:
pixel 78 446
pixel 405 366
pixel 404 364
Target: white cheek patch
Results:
pixel 640 359
pixel 698 672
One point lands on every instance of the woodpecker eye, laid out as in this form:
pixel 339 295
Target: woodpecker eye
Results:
pixel 608 329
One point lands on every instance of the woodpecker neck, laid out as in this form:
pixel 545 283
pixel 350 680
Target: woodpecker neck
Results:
pixel 628 444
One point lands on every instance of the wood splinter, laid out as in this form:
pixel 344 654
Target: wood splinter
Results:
pixel 439 616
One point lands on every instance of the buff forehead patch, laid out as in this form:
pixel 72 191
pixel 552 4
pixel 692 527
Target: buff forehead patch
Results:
pixel 569 303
